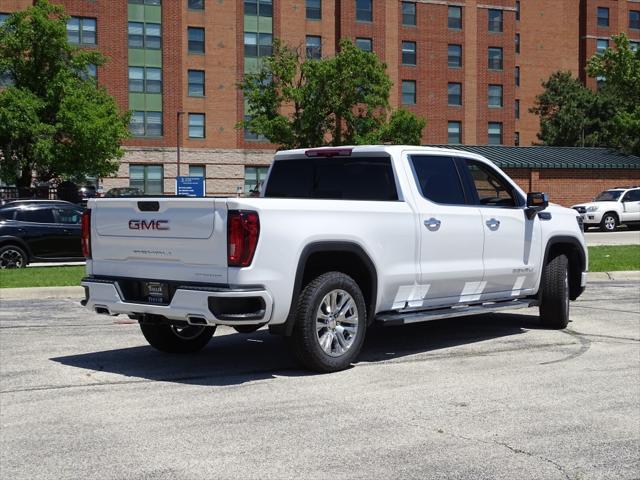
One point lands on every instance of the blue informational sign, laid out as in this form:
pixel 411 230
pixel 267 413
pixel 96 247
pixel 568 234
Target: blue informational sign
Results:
pixel 190 186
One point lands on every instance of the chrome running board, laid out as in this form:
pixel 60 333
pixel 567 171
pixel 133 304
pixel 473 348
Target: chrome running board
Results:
pixel 403 318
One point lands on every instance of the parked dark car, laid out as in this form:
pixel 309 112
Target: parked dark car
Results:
pixel 42 232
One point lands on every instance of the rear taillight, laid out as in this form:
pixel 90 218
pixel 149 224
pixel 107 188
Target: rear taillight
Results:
pixel 243 230
pixel 86 233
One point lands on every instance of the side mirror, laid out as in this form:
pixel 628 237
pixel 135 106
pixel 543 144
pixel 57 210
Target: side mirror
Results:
pixel 536 202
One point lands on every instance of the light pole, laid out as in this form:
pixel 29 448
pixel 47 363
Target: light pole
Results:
pixel 178 141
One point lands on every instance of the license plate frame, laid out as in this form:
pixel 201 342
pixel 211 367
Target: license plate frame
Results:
pixel 156 293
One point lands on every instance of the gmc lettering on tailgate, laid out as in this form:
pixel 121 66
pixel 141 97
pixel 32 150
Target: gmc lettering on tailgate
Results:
pixel 148 224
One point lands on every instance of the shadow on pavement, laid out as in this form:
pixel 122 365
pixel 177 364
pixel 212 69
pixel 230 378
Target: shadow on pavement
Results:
pixel 238 358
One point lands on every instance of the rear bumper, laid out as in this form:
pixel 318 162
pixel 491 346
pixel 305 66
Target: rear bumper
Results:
pixel 196 305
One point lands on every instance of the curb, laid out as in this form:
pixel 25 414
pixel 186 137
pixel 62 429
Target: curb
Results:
pixel 37 293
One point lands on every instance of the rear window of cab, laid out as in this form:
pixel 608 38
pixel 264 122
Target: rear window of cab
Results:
pixel 348 178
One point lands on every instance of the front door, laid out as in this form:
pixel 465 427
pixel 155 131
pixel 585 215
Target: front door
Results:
pixel 451 235
pixel 512 245
pixel 631 206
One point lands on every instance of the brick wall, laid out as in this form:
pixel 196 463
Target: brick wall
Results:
pixel 570 186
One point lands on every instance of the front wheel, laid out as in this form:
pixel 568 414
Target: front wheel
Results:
pixel 609 222
pixel 554 293
pixel 330 323
pixel 177 339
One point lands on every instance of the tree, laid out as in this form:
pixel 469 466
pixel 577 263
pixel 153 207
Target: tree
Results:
pixel 340 100
pixel 54 120
pixel 573 115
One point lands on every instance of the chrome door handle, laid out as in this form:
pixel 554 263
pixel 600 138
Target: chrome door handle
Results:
pixel 493 224
pixel 432 224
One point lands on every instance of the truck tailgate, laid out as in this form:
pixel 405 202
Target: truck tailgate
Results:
pixel 160 238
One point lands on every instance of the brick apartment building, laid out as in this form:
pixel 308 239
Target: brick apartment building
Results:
pixel 472 68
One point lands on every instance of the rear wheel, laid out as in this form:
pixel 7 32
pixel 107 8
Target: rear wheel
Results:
pixel 554 293
pixel 330 323
pixel 177 339
pixel 609 222
pixel 12 256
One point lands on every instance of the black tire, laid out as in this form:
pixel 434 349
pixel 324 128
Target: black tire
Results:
pixel 247 328
pixel 172 339
pixel 13 256
pixel 305 340
pixel 554 293
pixel 609 222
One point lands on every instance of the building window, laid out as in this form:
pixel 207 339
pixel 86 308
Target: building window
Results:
pixel 600 81
pixel 196 171
pixel 196 83
pixel 364 44
pixel 145 35
pixel 196 125
pixel 517 108
pixel 601 46
pixel 3 18
pixel 495 58
pixel 454 56
pixel 146 124
pixel 634 19
pixel 408 92
pixel 454 94
pixel 516 139
pixel 633 46
pixel 145 2
pixel 90 72
pixel 495 133
pixel 257 44
pixel 314 47
pixel 495 20
pixel 254 177
pixel 148 178
pixel 364 10
pixel 262 8
pixel 81 31
pixel 314 9
pixel 145 80
pixel 517 43
pixel 517 76
pixel 454 133
pixel 196 4
pixel 196 40
pixel 454 18
pixel 518 11
pixel 409 14
pixel 603 17
pixel 495 96
pixel 408 53
pixel 136 79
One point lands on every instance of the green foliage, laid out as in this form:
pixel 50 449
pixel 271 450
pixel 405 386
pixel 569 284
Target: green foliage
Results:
pixel 339 100
pixel 573 115
pixel 53 121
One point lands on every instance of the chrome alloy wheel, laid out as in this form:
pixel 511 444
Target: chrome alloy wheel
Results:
pixel 188 332
pixel 610 223
pixel 336 323
pixel 11 258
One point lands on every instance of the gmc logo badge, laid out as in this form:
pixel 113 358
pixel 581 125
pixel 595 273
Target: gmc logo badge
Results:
pixel 148 225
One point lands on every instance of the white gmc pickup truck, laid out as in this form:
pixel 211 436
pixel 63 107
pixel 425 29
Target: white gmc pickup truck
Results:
pixel 340 238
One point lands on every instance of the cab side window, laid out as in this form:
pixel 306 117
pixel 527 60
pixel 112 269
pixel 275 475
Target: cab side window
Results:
pixel 69 215
pixel 632 196
pixel 493 190
pixel 438 179
pixel 40 215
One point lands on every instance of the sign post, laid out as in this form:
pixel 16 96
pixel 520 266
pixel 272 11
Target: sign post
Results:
pixel 190 186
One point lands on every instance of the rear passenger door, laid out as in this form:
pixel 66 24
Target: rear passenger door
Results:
pixel 68 219
pixel 451 235
pixel 631 206
pixel 512 245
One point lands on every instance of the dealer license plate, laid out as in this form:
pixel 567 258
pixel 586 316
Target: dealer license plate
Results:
pixel 156 292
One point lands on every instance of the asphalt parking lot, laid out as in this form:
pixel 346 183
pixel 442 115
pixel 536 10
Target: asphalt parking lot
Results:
pixel 83 396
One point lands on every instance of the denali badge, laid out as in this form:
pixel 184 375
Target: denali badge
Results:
pixel 148 225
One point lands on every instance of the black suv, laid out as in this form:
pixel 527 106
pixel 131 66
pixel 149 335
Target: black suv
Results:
pixel 42 232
